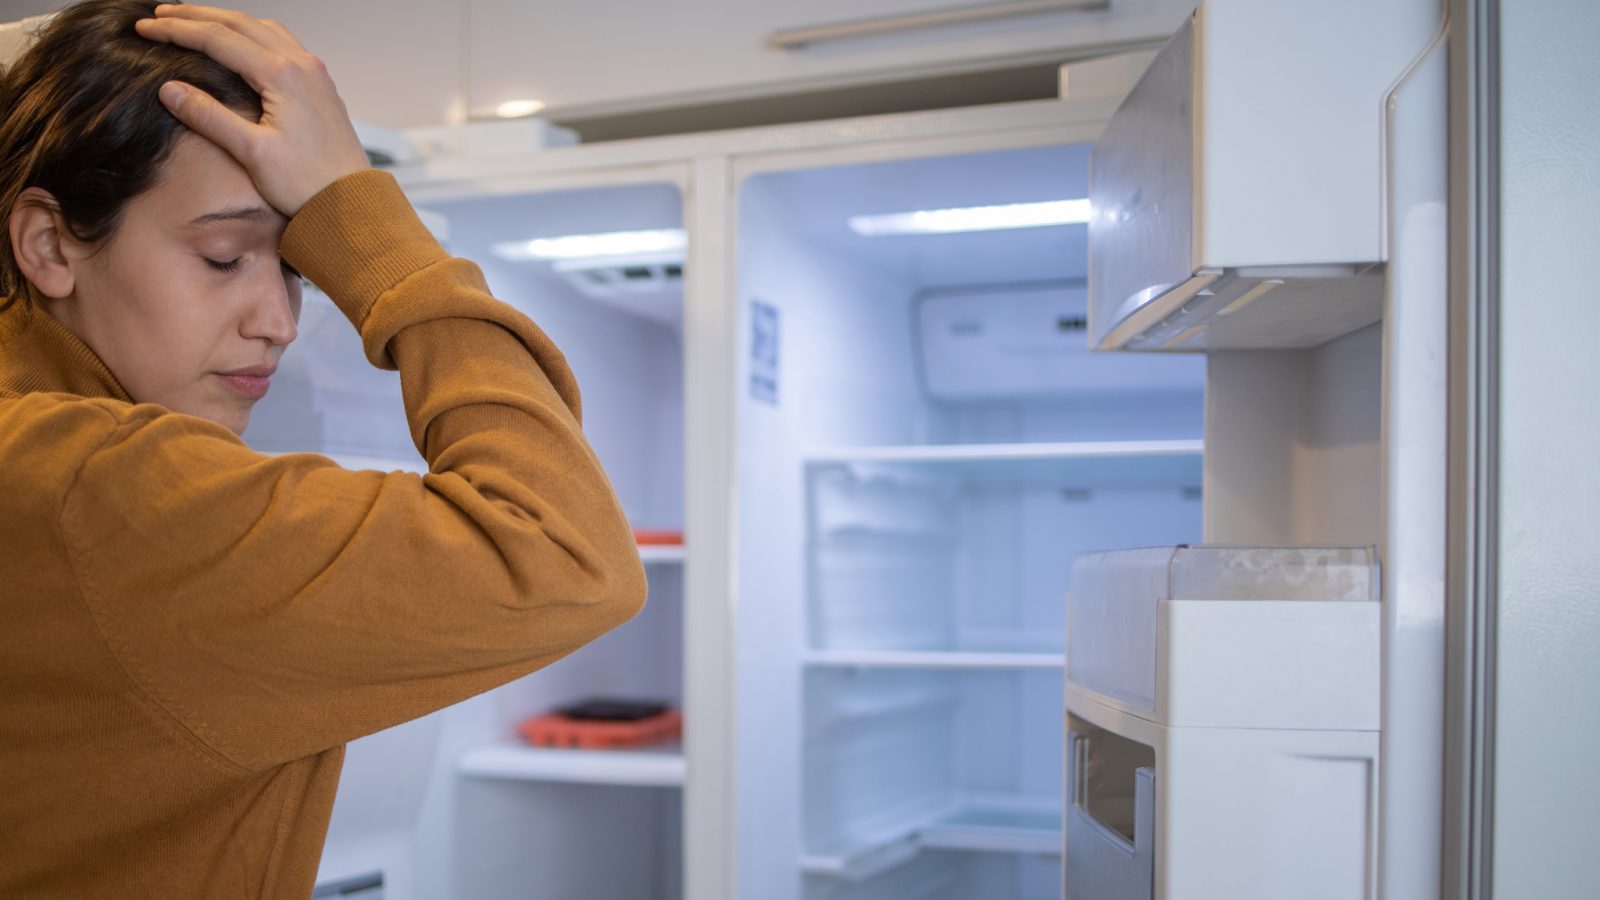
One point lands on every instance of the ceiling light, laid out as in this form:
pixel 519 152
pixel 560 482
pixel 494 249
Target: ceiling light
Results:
pixel 974 218
pixel 579 246
pixel 513 109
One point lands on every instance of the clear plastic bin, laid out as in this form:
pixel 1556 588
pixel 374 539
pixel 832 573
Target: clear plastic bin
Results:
pixel 1113 608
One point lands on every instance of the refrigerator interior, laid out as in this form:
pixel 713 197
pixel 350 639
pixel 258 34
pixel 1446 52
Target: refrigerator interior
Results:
pixel 908 519
pixel 566 823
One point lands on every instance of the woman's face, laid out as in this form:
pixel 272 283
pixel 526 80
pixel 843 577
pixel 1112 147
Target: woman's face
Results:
pixel 188 303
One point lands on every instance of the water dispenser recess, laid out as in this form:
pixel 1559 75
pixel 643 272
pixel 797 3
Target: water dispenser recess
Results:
pixel 1222 732
pixel 1110 820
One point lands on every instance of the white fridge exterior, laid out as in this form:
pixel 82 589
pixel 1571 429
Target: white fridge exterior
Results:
pixel 1310 219
pixel 732 848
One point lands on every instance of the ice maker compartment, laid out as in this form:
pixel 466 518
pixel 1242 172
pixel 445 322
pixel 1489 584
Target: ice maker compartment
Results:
pixel 1111 815
pixel 1115 598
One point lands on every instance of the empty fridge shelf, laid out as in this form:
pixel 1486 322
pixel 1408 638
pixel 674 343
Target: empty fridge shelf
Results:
pixel 1082 464
pixel 861 863
pixel 661 553
pixel 659 765
pixel 919 659
pixel 981 828
pixel 994 825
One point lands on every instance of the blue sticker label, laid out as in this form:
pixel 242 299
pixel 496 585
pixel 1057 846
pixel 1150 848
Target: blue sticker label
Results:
pixel 764 352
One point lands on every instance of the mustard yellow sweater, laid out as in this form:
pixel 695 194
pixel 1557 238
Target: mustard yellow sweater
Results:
pixel 191 631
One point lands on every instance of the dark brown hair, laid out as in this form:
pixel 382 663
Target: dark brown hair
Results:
pixel 80 118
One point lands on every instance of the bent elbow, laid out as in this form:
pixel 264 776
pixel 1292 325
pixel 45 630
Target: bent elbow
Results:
pixel 626 587
pixel 571 593
pixel 614 590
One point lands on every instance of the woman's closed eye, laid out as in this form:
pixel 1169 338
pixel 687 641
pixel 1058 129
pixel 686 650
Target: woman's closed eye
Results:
pixel 224 265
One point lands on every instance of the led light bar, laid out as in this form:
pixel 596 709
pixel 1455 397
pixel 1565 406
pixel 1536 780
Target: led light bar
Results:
pixel 580 246
pixel 974 218
pixel 516 109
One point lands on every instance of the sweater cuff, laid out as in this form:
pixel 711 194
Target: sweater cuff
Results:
pixel 356 239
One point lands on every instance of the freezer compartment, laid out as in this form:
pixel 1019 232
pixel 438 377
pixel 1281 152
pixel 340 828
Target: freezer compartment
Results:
pixel 898 762
pixel 626 352
pixel 470 798
pixel 953 555
pixel 1229 636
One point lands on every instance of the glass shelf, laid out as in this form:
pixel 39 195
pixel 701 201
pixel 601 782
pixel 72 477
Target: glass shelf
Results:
pixel 993 824
pixel 925 659
pixel 656 765
pixel 661 554
pixel 1089 464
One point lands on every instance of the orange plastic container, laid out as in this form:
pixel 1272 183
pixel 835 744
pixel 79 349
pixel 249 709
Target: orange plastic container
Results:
pixel 559 730
pixel 647 537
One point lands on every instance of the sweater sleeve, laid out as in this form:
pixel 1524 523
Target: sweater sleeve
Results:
pixel 274 607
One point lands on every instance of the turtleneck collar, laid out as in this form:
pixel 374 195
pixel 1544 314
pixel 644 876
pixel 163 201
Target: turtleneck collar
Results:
pixel 39 355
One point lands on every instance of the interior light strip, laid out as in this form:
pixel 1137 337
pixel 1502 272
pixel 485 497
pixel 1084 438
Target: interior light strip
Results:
pixel 974 218
pixel 580 246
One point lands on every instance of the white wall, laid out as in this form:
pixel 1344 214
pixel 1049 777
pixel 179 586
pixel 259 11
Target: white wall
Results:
pixel 396 62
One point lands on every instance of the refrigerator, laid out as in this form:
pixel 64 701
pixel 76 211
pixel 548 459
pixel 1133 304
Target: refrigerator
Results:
pixel 885 451
pixel 877 418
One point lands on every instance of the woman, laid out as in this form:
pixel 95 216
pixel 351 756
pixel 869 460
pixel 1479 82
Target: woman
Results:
pixel 190 631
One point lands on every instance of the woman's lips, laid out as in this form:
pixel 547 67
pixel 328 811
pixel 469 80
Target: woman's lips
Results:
pixel 251 383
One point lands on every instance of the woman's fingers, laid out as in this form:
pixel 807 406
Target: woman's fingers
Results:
pixel 249 58
pixel 210 119
pixel 252 28
pixel 304 140
pixel 277 26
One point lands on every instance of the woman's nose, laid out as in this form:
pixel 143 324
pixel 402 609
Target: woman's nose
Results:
pixel 272 311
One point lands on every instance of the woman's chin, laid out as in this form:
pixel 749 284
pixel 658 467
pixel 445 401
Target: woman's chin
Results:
pixel 236 421
pixel 233 414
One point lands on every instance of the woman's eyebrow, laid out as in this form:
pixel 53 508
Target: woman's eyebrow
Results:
pixel 236 214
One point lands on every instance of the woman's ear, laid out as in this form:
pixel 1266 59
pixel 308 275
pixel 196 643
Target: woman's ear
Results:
pixel 37 241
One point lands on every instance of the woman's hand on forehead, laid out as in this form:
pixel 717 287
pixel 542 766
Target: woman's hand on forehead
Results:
pixel 304 141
